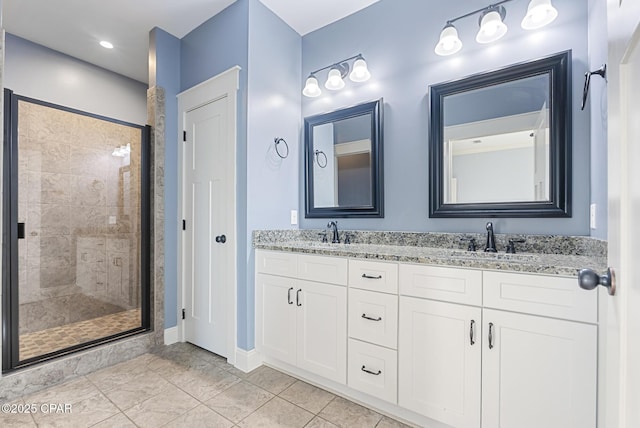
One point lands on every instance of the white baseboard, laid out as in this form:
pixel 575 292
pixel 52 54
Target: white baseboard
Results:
pixel 171 335
pixel 247 360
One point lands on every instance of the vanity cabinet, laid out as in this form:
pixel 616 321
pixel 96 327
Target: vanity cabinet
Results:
pixel 471 366
pixel 301 322
pixel 539 366
pixel 373 329
pixel 538 372
pixel 468 348
pixel 440 351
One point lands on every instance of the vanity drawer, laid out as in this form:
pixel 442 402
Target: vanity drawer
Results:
pixel 373 370
pixel 440 283
pixel 540 295
pixel 376 276
pixel 277 263
pixel 373 317
pixel 332 270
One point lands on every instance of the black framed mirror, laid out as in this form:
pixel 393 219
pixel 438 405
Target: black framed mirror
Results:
pixel 343 162
pixel 500 142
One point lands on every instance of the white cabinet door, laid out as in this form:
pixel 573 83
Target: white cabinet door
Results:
pixel 439 353
pixel 540 372
pixel 276 312
pixel 322 330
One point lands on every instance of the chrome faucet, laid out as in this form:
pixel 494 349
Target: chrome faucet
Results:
pixel 491 239
pixel 335 238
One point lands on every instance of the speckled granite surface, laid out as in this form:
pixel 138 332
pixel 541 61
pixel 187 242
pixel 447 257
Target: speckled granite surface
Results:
pixel 544 254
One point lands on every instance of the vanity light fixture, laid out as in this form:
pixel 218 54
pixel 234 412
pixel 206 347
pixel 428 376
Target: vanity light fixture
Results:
pixel 539 14
pixel 492 26
pixel 337 72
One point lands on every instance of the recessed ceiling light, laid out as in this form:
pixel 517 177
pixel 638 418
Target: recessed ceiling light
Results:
pixel 106 45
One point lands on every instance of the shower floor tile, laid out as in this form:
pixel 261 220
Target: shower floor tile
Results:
pixel 56 338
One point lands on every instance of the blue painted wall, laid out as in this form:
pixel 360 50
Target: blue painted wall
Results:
pixel 215 46
pixel 164 50
pixel 597 106
pixel 275 55
pixel 397 42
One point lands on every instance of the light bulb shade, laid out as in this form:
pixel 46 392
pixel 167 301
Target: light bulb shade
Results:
pixel 491 26
pixel 539 14
pixel 449 42
pixel 360 72
pixel 311 87
pixel 334 80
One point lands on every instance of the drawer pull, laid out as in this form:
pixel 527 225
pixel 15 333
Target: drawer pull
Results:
pixel 289 301
pixel 490 335
pixel 371 319
pixel 471 332
pixel 364 369
pixel 298 297
pixel 364 275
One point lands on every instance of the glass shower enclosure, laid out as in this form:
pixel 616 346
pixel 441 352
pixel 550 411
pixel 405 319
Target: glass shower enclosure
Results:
pixel 76 230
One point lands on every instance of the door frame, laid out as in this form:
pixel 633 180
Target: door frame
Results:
pixel 225 84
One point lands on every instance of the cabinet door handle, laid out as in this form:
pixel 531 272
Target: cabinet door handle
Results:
pixel 471 332
pixel 364 275
pixel 370 318
pixel 364 369
pixel 298 297
pixel 490 335
pixel 289 301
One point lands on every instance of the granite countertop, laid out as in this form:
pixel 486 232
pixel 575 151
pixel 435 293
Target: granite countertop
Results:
pixel 529 262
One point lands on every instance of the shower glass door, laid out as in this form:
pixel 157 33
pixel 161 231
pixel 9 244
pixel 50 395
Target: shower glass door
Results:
pixel 76 254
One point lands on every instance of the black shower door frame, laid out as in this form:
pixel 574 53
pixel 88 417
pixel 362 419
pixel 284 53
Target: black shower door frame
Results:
pixel 11 230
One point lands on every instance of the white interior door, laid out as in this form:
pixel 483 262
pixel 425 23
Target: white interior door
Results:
pixel 208 195
pixel 619 387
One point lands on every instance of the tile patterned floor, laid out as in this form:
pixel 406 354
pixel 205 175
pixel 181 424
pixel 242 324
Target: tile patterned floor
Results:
pixel 184 386
pixel 53 339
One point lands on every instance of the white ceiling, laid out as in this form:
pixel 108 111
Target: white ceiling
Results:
pixel 75 27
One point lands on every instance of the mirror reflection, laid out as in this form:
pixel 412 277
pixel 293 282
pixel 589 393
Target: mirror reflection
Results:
pixel 496 143
pixel 344 162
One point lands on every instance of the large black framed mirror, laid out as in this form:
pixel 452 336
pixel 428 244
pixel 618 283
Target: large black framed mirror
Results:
pixel 343 162
pixel 500 142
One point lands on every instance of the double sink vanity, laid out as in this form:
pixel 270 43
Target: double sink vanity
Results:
pixel 416 326
pixel 428 327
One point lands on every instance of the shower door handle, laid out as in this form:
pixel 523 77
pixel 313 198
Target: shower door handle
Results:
pixel 21 231
pixel 221 239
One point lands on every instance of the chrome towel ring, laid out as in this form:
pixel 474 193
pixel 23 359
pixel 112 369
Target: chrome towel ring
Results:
pixel 277 142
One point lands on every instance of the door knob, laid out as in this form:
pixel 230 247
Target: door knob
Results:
pixel 221 239
pixel 589 279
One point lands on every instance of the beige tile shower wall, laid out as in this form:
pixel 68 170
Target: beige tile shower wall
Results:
pixel 81 208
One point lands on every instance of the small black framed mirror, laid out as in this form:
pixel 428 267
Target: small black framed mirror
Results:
pixel 343 162
pixel 500 142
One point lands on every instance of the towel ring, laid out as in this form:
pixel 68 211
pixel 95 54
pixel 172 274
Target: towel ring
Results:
pixel 602 72
pixel 318 153
pixel 277 141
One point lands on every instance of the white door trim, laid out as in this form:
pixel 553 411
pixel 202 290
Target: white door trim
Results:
pixel 225 84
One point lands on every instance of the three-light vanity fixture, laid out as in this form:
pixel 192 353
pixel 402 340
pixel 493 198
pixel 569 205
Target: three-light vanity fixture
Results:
pixel 492 26
pixel 337 72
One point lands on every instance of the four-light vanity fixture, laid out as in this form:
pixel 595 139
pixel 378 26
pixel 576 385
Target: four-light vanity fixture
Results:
pixel 337 72
pixel 492 26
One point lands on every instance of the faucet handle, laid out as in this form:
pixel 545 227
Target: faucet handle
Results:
pixel 472 243
pixel 323 235
pixel 511 246
pixel 347 238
